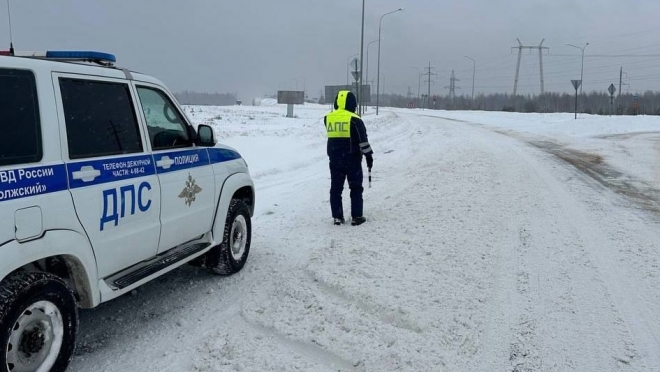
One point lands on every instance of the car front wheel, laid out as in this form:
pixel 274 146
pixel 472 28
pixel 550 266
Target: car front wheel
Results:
pixel 38 323
pixel 230 256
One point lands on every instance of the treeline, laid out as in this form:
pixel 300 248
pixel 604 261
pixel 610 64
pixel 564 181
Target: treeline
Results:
pixel 211 99
pixel 647 103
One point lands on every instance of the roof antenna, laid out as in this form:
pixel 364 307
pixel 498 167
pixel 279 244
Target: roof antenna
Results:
pixel 11 38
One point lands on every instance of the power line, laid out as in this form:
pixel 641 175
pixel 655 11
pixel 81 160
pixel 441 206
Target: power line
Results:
pixel 608 37
pixel 608 55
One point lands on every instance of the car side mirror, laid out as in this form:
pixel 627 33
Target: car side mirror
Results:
pixel 205 136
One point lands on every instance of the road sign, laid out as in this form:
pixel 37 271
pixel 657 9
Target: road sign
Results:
pixel 635 98
pixel 611 89
pixel 355 63
pixel 291 97
pixel 356 75
pixel 576 83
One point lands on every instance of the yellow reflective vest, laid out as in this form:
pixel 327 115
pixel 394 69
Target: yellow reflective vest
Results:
pixel 338 122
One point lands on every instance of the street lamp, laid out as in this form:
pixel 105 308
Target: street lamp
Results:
pixel 347 62
pixel 581 68
pixel 378 73
pixel 360 83
pixel 368 45
pixel 474 67
pixel 419 80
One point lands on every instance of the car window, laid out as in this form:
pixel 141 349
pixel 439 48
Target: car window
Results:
pixel 20 141
pixel 100 118
pixel 167 129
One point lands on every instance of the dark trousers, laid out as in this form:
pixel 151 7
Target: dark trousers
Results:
pixel 339 172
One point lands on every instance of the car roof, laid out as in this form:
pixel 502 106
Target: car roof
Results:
pixel 41 66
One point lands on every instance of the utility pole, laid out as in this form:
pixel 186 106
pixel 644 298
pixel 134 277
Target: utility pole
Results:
pixel 11 36
pixel 429 74
pixel 620 80
pixel 474 68
pixel 520 47
pixel 361 64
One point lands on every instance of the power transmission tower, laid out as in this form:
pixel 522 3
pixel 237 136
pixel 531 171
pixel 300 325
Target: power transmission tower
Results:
pixel 520 48
pixel 452 85
pixel 429 79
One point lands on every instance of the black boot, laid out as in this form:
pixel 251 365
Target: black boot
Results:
pixel 339 221
pixel 358 221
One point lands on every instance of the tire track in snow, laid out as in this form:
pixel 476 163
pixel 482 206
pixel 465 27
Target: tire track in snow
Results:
pixel 309 350
pixel 604 250
pixel 390 316
pixel 440 181
pixel 549 298
pixel 328 316
pixel 595 250
pixel 643 194
pixel 524 349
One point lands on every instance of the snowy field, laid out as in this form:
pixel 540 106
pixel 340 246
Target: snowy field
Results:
pixel 493 242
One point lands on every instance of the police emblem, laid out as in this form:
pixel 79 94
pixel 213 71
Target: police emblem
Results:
pixel 190 191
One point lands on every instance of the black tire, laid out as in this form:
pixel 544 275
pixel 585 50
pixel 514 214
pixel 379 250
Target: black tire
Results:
pixel 22 291
pixel 223 259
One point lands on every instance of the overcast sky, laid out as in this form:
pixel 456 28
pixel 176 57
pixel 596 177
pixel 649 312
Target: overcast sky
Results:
pixel 256 47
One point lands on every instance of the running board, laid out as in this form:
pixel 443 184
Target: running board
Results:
pixel 142 270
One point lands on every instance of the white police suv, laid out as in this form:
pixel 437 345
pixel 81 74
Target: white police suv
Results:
pixel 104 186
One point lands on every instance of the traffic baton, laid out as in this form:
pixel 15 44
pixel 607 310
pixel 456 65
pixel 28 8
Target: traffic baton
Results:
pixel 369 177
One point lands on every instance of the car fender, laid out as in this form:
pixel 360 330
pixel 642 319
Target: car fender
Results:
pixel 73 245
pixel 232 184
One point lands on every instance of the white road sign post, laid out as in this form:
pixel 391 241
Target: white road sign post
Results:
pixel 576 85
pixel 611 90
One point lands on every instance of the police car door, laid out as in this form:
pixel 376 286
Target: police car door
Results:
pixel 112 177
pixel 34 199
pixel 184 170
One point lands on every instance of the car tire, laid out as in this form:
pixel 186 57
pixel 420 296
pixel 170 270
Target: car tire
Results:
pixel 38 323
pixel 230 256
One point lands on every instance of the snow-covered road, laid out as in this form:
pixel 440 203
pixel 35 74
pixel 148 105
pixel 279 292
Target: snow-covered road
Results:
pixel 489 246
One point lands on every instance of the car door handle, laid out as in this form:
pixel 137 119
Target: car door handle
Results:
pixel 165 162
pixel 86 174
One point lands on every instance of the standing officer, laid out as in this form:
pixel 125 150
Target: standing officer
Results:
pixel 347 142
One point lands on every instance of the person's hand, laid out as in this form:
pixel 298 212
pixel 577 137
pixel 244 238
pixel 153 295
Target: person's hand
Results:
pixel 370 161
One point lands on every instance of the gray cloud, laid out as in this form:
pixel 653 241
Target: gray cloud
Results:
pixel 258 46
